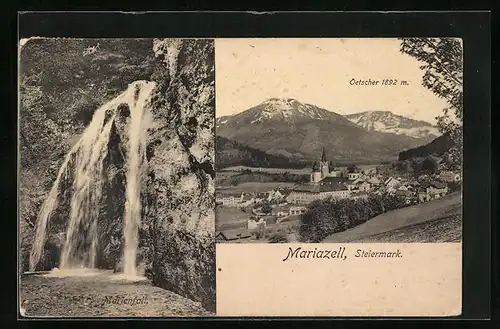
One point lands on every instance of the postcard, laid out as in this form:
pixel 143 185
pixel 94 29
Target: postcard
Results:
pixel 185 177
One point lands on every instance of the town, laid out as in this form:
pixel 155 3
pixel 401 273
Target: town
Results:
pixel 274 215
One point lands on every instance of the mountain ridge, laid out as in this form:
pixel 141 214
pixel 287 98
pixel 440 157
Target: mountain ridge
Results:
pixel 299 131
pixel 390 122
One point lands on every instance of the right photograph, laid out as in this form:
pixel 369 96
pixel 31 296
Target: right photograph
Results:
pixel 343 140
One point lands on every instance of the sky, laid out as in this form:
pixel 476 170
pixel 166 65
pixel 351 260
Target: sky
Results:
pixel 319 72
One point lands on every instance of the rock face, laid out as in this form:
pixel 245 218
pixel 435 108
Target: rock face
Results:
pixel 178 206
pixel 176 236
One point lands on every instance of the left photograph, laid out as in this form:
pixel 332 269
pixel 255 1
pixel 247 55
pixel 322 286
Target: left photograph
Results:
pixel 116 177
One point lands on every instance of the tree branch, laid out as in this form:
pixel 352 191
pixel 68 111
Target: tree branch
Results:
pixel 430 44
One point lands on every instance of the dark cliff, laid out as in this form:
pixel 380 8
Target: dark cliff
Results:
pixel 59 94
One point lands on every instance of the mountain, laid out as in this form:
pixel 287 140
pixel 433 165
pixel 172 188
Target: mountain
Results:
pixel 388 122
pixel 230 153
pixel 438 146
pixel 300 131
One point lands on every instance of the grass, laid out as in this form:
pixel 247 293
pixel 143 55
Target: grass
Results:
pixel 446 229
pixel 416 216
pixel 230 218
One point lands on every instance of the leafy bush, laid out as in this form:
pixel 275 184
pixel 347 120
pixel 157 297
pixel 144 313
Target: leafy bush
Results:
pixel 278 237
pixel 260 231
pixel 266 208
pixel 329 216
pixel 454 186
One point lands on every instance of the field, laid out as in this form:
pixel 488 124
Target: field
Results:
pixel 254 187
pixel 415 223
pixel 227 218
pixel 304 171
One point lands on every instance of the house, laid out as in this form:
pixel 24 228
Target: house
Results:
pixel 437 188
pixel 353 175
pixel 391 190
pixel 391 183
pixel 229 199
pixel 274 195
pixel 431 191
pixel 299 210
pixel 234 234
pixel 370 171
pixel 449 176
pixel 260 197
pixel 364 187
pixel 246 200
pixel 414 184
pixel 374 181
pixel 328 187
pixel 359 195
pixel 281 211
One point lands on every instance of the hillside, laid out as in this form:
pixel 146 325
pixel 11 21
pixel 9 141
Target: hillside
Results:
pixel 388 122
pixel 448 206
pixel 438 146
pixel 299 131
pixel 230 153
pixel 446 229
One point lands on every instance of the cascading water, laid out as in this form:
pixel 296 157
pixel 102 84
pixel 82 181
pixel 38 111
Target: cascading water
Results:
pixel 84 166
pixel 137 153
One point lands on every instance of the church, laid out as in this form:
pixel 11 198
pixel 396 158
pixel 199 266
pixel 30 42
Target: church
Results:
pixel 323 169
pixel 325 181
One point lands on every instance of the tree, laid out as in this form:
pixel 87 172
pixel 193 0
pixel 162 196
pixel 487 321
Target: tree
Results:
pixel 443 74
pixel 266 208
pixel 352 168
pixel 260 231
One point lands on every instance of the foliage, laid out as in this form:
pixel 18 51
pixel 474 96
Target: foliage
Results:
pixel 325 217
pixel 230 153
pixel 454 186
pixel 266 208
pixel 260 231
pixel 278 237
pixel 442 60
pixel 352 168
pixel 438 146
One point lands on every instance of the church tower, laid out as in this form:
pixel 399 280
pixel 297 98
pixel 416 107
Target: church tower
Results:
pixel 316 173
pixel 323 165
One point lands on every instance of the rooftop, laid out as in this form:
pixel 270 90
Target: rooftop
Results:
pixel 234 234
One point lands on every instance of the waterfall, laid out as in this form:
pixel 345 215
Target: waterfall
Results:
pixel 84 167
pixel 137 138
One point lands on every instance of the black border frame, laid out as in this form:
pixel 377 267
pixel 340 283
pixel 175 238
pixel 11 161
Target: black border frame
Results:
pixel 473 27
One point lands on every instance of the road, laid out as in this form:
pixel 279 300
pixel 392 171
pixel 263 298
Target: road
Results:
pixel 100 294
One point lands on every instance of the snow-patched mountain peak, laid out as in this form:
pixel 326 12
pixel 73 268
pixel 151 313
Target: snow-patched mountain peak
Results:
pixel 388 122
pixel 288 109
